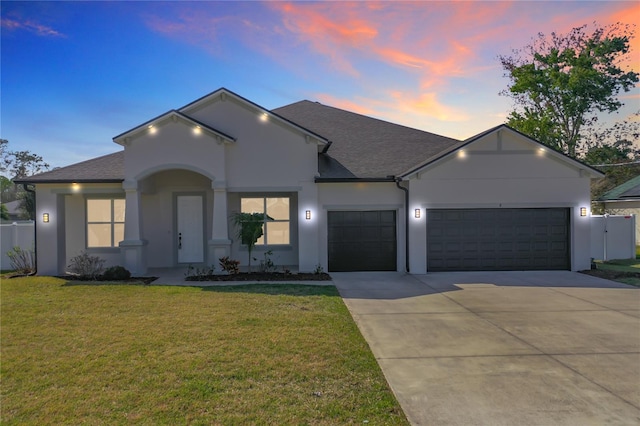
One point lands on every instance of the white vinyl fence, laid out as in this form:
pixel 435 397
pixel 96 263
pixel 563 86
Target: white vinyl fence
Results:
pixel 19 234
pixel 613 237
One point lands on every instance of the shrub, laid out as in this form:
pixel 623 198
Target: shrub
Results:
pixel 86 266
pixel 230 265
pixel 116 273
pixel 266 264
pixel 197 274
pixel 22 261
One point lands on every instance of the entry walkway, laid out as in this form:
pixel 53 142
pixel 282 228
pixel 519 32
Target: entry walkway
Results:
pixel 503 348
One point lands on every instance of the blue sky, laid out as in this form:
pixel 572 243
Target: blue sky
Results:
pixel 76 74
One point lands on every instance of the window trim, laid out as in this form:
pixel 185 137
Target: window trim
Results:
pixel 264 197
pixel 114 245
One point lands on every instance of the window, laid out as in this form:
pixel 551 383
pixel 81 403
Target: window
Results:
pixel 276 224
pixel 105 222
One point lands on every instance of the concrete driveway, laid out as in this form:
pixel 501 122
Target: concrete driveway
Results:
pixel 503 348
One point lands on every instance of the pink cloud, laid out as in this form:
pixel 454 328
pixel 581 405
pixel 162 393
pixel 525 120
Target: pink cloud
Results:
pixel 345 104
pixel 331 34
pixel 399 106
pixel 31 26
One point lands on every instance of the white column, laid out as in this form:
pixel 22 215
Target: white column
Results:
pixel 133 248
pixel 132 211
pixel 219 244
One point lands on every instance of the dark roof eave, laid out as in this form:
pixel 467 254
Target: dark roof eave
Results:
pixel 354 180
pixel 37 181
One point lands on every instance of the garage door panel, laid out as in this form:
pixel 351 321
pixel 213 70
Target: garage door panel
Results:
pixel 362 241
pixel 497 239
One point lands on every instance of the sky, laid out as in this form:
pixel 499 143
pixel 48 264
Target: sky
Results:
pixel 75 74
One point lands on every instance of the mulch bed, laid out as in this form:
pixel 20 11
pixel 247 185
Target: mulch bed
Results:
pixel 261 276
pixel 611 275
pixel 132 280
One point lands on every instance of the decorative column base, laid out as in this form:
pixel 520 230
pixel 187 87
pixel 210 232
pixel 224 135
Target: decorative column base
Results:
pixel 218 249
pixel 134 256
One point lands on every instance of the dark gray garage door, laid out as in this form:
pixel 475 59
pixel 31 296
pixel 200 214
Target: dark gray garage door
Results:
pixel 362 240
pixel 497 239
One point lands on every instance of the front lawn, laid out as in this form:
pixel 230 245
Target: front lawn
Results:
pixel 253 354
pixel 622 270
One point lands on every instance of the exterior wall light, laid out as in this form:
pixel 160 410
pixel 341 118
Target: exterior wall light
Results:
pixel 583 211
pixel 45 217
pixel 307 214
pixel 416 213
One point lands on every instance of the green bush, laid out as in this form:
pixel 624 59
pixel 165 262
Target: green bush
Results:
pixel 22 261
pixel 86 266
pixel 116 273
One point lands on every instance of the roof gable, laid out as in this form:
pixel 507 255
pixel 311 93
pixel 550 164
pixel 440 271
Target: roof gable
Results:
pixel 224 95
pixel 171 116
pixel 535 145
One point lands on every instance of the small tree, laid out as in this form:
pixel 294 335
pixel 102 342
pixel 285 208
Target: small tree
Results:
pixel 249 229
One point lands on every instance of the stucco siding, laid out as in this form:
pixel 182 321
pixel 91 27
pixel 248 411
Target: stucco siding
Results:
pixel 174 145
pixel 265 152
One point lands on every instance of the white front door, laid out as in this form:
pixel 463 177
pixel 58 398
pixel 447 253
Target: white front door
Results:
pixel 190 229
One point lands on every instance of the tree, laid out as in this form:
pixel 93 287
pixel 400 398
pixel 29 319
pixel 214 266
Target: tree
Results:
pixel 561 84
pixel 20 164
pixel 618 161
pixel 4 213
pixel 7 190
pixel 619 152
pixel 250 229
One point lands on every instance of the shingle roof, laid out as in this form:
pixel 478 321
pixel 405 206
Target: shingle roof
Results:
pixel 628 190
pixel 108 168
pixel 363 146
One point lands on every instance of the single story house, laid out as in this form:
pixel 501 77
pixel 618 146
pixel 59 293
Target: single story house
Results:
pixel 624 199
pixel 343 191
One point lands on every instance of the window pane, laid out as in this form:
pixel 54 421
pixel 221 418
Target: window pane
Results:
pixel 118 233
pixel 99 210
pixel 99 235
pixel 278 232
pixel 278 208
pixel 260 241
pixel 252 205
pixel 118 210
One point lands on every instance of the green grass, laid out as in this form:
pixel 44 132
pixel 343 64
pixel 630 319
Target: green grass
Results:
pixel 622 265
pixel 116 354
pixel 614 267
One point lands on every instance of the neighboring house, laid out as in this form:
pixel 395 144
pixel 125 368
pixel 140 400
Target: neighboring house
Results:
pixel 345 192
pixel 624 200
pixel 13 208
